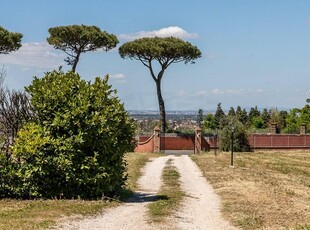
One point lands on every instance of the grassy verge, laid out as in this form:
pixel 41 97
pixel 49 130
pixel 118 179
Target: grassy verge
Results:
pixel 169 196
pixel 40 214
pixel 265 190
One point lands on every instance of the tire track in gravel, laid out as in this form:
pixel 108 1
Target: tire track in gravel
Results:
pixel 201 207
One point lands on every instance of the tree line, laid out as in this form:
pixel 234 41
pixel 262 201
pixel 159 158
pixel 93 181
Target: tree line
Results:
pixel 256 120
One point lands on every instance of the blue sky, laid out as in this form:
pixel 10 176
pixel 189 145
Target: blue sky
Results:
pixel 253 52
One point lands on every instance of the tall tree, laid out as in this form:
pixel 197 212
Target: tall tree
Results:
pixel 77 39
pixel 163 51
pixel 242 115
pixel 231 112
pixel 254 113
pixel 282 119
pixel 219 115
pixel 9 41
pixel 265 115
pixel 200 118
pixel 209 122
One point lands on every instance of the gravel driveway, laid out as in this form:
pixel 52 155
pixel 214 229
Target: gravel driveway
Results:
pixel 200 209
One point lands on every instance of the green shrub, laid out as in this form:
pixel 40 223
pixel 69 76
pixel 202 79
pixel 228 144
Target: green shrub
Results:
pixel 241 143
pixel 75 146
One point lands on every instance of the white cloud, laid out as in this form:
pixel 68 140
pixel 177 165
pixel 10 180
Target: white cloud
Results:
pixel 118 76
pixel 34 55
pixel 228 92
pixel 171 31
pixel 217 91
pixel 202 93
pixel 182 93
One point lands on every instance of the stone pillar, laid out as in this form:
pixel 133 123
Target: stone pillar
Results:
pixel 156 139
pixel 303 128
pixel 198 136
pixel 273 128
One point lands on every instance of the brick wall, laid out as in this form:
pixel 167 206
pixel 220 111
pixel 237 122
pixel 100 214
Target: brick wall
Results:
pixel 180 143
pixel 184 142
pixel 279 141
pixel 147 146
pixel 256 141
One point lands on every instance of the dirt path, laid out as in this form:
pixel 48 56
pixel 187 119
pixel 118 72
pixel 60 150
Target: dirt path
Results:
pixel 200 209
pixel 131 215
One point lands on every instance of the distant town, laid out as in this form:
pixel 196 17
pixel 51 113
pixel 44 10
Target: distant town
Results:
pixel 183 121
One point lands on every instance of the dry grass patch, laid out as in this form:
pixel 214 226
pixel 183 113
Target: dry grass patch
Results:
pixel 39 214
pixel 265 190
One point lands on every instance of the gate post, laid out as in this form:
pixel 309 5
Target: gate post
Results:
pixel 156 140
pixel 198 137
pixel 303 128
pixel 274 128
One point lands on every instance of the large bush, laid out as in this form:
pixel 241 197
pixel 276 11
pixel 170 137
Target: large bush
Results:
pixel 75 146
pixel 241 143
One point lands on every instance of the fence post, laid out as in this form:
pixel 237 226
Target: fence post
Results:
pixel 198 137
pixel 156 139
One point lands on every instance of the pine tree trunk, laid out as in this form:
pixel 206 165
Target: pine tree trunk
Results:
pixel 162 110
pixel 77 58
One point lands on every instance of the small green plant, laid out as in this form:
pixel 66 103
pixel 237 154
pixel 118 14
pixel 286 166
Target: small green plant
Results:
pixel 303 227
pixel 251 222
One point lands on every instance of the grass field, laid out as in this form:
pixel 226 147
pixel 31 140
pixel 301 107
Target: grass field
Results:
pixel 40 214
pixel 265 190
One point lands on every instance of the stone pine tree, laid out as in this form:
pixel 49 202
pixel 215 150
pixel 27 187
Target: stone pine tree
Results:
pixel 9 41
pixel 162 51
pixel 77 39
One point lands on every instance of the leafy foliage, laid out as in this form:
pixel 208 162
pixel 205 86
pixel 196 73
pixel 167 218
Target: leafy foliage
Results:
pixel 219 115
pixel 296 117
pixel 231 112
pixel 9 41
pixel 209 122
pixel 241 143
pixel 75 146
pixel 253 114
pixel 77 39
pixel 162 51
pixel 242 115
